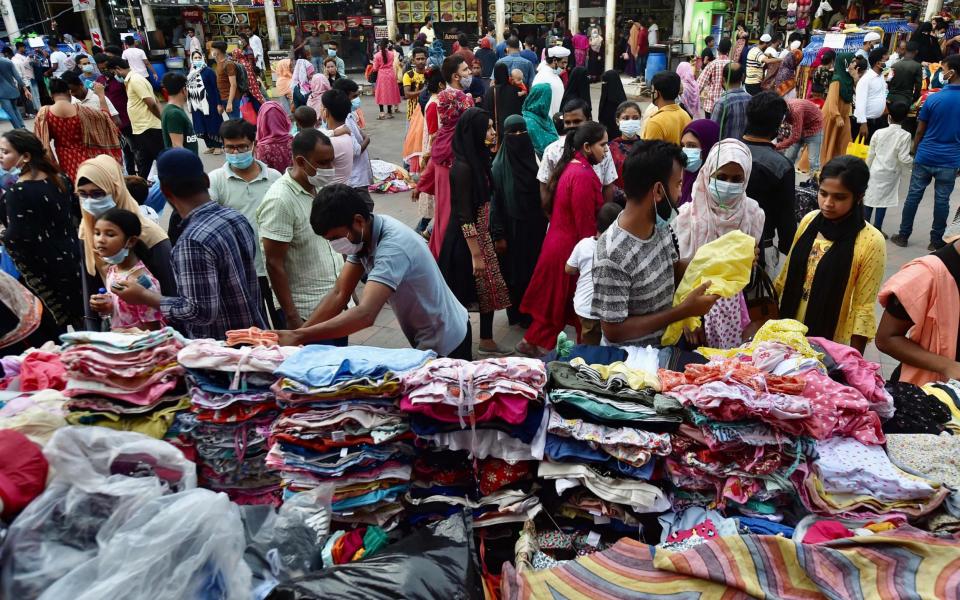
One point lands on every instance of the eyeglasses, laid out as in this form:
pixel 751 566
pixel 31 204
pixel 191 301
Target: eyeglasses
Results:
pixel 232 149
pixel 96 195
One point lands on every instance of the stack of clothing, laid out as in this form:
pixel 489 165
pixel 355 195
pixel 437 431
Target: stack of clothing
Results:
pixel 124 381
pixel 232 409
pixel 607 427
pixel 341 424
pixel 479 427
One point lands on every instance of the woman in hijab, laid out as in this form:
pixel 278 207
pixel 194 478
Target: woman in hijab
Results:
pixel 244 58
pixel 487 57
pixel 836 111
pixel 284 74
pixel 690 98
pixel 319 83
pixel 928 50
pixel 451 104
pixel 467 259
pixel 502 99
pixel 578 87
pixel 595 58
pixel 612 96
pixel 203 99
pixel 536 112
pixel 273 137
pixel 517 220
pixel 101 182
pixel 300 80
pixel 847 256
pixel 696 141
pixel 720 205
pixel 581 44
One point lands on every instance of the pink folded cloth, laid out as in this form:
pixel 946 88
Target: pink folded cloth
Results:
pixel 146 396
pixel 505 407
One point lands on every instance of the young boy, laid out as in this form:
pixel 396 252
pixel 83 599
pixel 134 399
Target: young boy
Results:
pixel 889 159
pixel 336 109
pixel 516 78
pixel 580 264
pixel 139 188
pixel 303 118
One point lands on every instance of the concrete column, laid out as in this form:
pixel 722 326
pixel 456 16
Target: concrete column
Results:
pixel 688 33
pixel 573 15
pixel 90 16
pixel 609 34
pixel 499 18
pixel 9 20
pixel 391 7
pixel 273 35
pixel 149 23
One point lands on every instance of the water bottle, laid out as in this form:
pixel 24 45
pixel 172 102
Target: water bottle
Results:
pixel 105 324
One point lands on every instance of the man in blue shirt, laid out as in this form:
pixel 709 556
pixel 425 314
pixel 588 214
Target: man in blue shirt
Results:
pixel 529 51
pixel 514 60
pixel 936 149
pixel 10 86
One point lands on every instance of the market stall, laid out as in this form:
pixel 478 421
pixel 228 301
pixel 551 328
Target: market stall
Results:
pixel 354 26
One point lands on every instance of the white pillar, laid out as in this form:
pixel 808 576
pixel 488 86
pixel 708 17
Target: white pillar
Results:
pixel 273 35
pixel 573 16
pixel 90 16
pixel 688 33
pixel 933 7
pixel 499 18
pixel 609 34
pixel 149 23
pixel 391 19
pixel 10 20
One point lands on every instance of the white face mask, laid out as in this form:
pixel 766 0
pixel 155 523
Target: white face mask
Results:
pixel 630 128
pixel 346 247
pixel 724 192
pixel 322 178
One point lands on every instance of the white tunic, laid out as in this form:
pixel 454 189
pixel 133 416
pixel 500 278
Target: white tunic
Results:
pixel 545 74
pixel 889 160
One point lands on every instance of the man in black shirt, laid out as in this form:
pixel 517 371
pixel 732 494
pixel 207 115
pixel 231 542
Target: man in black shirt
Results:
pixel 709 52
pixel 907 81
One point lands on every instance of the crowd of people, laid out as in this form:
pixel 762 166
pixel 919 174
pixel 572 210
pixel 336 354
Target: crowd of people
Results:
pixel 528 203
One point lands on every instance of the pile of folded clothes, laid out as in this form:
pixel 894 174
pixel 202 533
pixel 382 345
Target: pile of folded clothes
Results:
pixel 340 423
pixel 479 426
pixel 607 427
pixel 232 409
pixel 125 381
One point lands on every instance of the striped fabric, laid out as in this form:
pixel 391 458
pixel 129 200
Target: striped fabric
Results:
pixel 906 563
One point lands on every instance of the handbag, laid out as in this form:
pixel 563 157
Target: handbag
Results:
pixel 858 148
pixel 762 305
pixel 371 74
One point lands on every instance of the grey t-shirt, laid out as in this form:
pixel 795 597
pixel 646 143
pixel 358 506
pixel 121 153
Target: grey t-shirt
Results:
pixel 633 277
pixel 428 312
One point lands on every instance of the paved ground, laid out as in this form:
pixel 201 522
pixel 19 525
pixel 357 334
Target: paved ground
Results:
pixel 387 142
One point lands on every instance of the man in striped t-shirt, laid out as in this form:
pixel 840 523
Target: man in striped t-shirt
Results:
pixel 636 267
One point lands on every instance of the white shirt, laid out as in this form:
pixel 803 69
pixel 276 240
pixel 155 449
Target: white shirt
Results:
pixel 193 45
pixel 60 59
pixel 430 32
pixel 605 170
pixel 653 33
pixel 582 259
pixel 871 96
pixel 22 61
pixel 93 101
pixel 889 161
pixel 138 61
pixel 545 74
pixel 256 45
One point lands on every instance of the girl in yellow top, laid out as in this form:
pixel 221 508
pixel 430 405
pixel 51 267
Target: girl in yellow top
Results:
pixel 836 262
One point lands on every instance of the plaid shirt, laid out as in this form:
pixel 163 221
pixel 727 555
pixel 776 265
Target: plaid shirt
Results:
pixel 730 112
pixel 710 82
pixel 213 262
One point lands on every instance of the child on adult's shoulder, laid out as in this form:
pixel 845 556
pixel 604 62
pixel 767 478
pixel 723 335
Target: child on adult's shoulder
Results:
pixel 139 188
pixel 304 117
pixel 116 240
pixel 580 264
pixel 516 78
pixel 889 160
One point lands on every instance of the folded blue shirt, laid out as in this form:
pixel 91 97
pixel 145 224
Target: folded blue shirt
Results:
pixel 326 365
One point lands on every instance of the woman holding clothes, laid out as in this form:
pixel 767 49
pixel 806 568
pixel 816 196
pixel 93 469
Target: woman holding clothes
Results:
pixel 576 196
pixel 517 221
pixel 836 110
pixel 203 101
pixel 836 262
pixel 467 259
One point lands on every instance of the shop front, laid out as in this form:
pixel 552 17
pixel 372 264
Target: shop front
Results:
pixel 353 25
pixel 225 20
pixel 450 17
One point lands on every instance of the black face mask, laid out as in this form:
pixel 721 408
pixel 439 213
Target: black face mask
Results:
pixel 666 198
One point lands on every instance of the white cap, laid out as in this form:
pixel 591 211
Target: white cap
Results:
pixel 765 38
pixel 795 45
pixel 873 36
pixel 558 52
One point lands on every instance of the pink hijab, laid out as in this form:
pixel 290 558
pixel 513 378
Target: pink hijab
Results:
pixel 691 90
pixel 703 220
pixel 318 85
pixel 273 126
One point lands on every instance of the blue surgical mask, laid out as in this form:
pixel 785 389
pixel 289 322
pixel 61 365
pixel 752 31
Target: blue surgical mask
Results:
pixel 466 81
pixel 117 258
pixel 240 160
pixel 355 104
pixel 630 128
pixel 694 159
pixel 88 84
pixel 14 173
pixel 557 71
pixel 88 68
pixel 331 52
pixel 724 192
pixel 199 64
pixel 97 206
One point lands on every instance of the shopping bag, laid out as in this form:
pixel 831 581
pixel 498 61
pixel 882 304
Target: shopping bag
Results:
pixel 858 148
pixel 247 112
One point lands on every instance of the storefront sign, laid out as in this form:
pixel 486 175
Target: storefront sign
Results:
pixel 192 14
pixel 366 21
pixel 380 32
pixel 96 38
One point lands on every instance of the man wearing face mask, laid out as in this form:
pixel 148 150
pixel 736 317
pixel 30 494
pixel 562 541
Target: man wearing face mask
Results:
pixel 241 184
pixel 400 271
pixel 668 122
pixel 549 72
pixel 636 267
pixel 332 53
pixel 302 267
pixel 870 102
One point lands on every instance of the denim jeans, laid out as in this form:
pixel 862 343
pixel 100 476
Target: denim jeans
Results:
pixel 944 178
pixel 16 120
pixel 812 142
pixel 317 62
pixel 881 213
pixel 235 113
pixel 35 90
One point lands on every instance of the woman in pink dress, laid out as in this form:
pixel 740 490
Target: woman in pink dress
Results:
pixel 577 196
pixel 387 90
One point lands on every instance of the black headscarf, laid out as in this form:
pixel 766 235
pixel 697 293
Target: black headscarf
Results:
pixel 928 48
pixel 501 99
pixel 578 86
pixel 470 149
pixel 515 171
pixel 611 96
pixel 831 276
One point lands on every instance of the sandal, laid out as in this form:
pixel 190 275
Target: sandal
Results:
pixel 381 117
pixel 495 351
pixel 525 348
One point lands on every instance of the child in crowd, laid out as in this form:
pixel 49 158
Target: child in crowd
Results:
pixel 516 78
pixel 889 159
pixel 139 188
pixel 116 240
pixel 303 118
pixel 580 264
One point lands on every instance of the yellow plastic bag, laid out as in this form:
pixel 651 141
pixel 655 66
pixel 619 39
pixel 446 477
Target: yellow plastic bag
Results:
pixel 726 263
pixel 858 148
